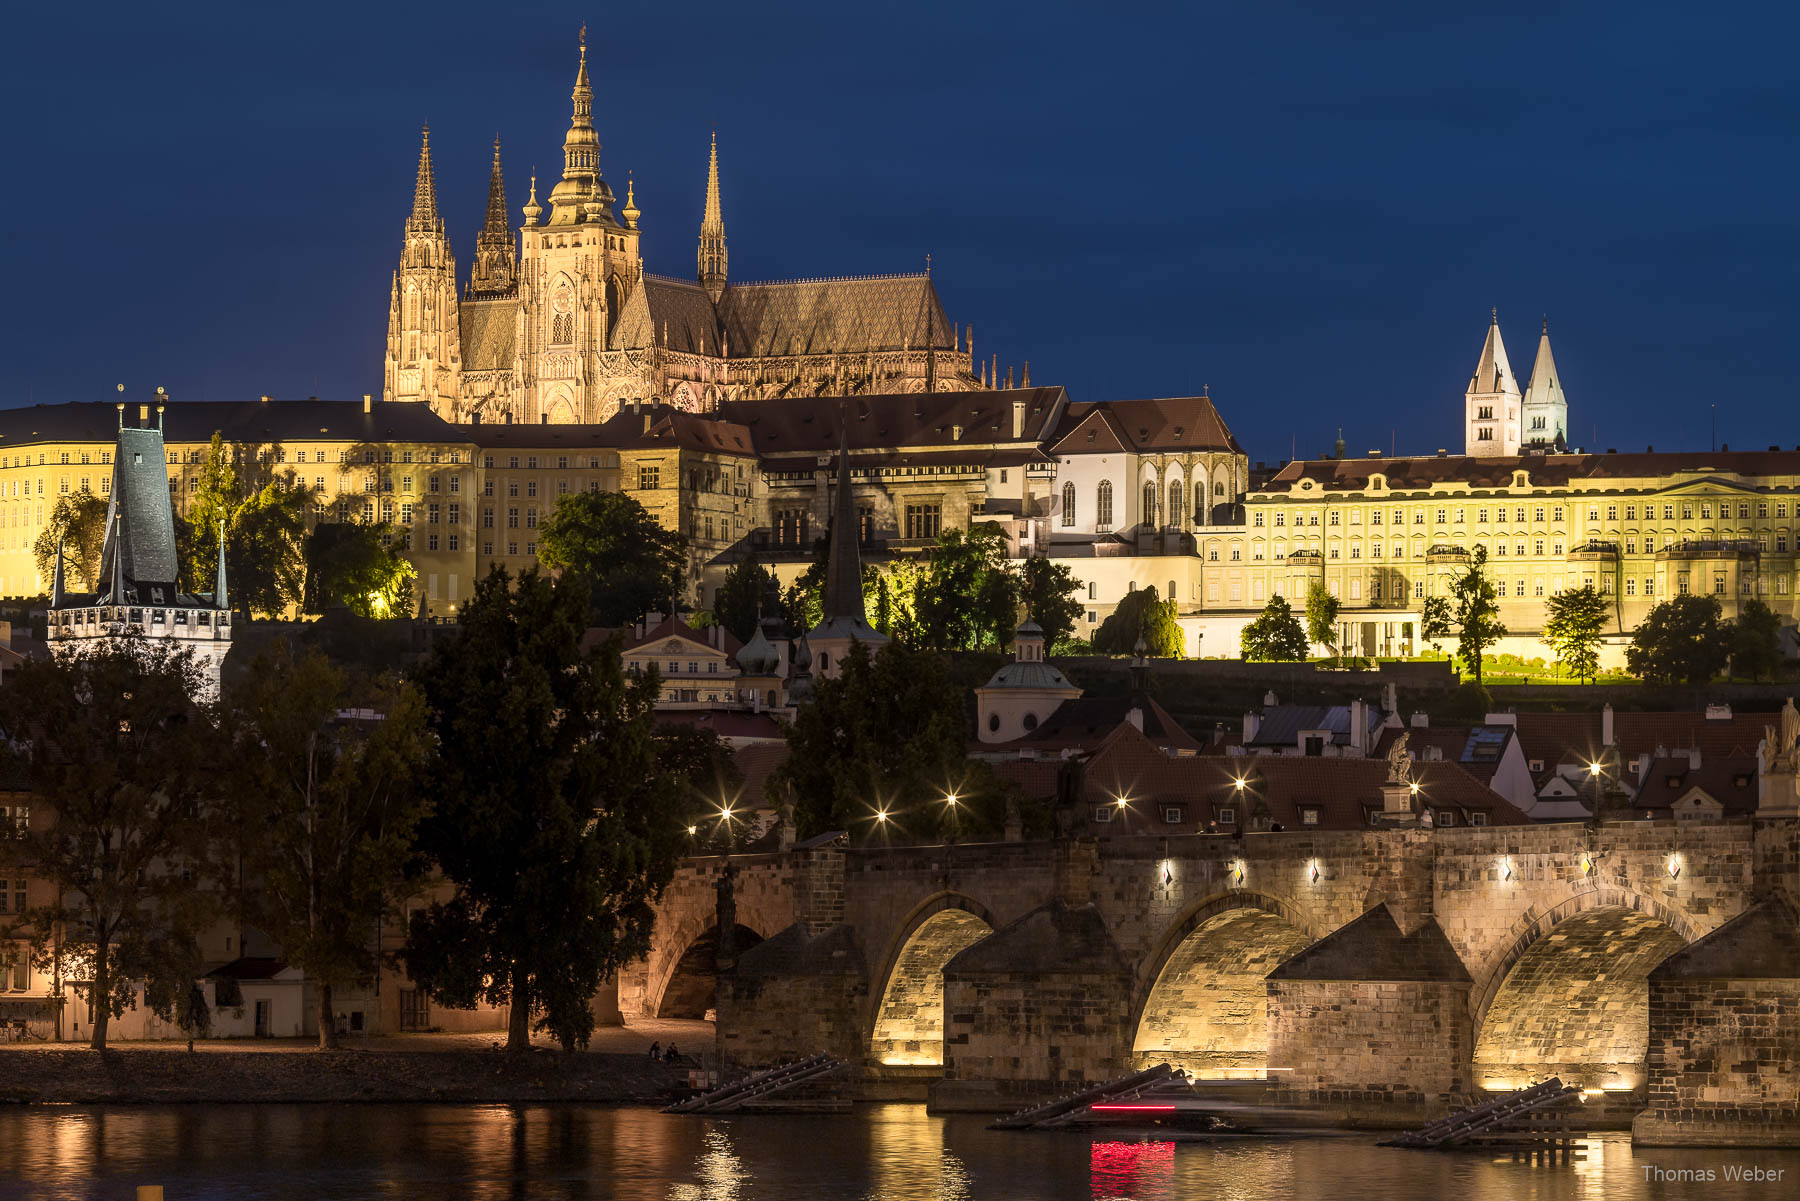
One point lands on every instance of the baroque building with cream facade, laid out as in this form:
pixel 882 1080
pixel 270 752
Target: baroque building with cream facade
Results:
pixel 564 325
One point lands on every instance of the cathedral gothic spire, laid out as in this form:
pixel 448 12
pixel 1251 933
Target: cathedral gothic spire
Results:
pixel 496 257
pixel 425 217
pixel 712 231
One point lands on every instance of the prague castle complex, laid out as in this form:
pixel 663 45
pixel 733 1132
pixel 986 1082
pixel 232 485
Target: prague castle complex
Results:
pixel 558 364
pixel 558 323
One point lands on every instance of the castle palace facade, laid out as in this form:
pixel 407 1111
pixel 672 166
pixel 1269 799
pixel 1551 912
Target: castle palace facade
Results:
pixel 563 325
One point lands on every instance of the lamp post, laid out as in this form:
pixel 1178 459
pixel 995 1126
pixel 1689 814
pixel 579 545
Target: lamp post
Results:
pixel 953 804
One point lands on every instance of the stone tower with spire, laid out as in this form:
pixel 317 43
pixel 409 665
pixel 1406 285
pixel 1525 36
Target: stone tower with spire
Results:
pixel 712 232
pixel 1491 405
pixel 843 619
pixel 1545 410
pixel 423 360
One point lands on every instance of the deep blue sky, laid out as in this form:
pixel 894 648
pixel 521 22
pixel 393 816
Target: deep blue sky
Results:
pixel 1308 209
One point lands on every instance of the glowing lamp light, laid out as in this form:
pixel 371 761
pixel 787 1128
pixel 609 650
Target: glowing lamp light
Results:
pixel 1238 783
pixel 1313 871
pixel 1237 871
pixel 881 815
pixel 950 800
pixel 1587 865
pixel 1168 874
pixel 1506 872
pixel 1593 769
pixel 1674 867
pixel 1414 787
pixel 691 831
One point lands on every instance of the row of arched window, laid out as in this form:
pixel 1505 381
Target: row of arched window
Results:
pixel 1103 503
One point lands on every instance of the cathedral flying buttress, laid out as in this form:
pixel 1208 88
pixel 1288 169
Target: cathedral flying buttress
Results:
pixel 559 322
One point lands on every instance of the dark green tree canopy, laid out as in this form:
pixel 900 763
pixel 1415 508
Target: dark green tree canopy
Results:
pixel 556 818
pixel 1756 641
pixel 630 563
pixel 323 810
pixel 969 596
pixel 1682 640
pixel 353 564
pixel 78 524
pixel 1049 590
pixel 1476 610
pixel 1275 635
pixel 1321 614
pixel 1575 621
pixel 1141 614
pixel 743 597
pixel 888 735
pixel 120 754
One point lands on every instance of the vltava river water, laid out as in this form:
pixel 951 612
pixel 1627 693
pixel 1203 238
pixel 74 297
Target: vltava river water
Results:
pixel 880 1153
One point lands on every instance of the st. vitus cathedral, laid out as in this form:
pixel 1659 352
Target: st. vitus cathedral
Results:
pixel 562 324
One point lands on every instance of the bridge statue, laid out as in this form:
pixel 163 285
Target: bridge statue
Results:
pixel 1784 754
pixel 1400 761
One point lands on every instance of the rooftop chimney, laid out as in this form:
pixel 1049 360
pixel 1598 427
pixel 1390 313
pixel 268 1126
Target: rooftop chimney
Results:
pixel 368 402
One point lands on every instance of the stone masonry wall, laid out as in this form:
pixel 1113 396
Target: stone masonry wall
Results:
pixel 1381 1050
pixel 1011 1039
pixel 1724 1063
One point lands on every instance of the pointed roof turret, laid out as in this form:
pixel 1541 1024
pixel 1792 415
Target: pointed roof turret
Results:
pixel 221 597
pixel 533 210
pixel 424 210
pixel 1493 373
pixel 631 212
pixel 843 571
pixel 1545 393
pixel 496 258
pixel 713 255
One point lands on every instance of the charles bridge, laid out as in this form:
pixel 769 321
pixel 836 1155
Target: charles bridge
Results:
pixel 1387 974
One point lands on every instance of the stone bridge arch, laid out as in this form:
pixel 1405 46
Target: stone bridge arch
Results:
pixel 687 924
pixel 1199 1000
pixel 905 1023
pixel 1569 993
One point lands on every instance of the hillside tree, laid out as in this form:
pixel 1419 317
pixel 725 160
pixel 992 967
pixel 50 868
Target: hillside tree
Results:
pixel 1476 611
pixel 1574 623
pixel 1276 635
pixel 631 564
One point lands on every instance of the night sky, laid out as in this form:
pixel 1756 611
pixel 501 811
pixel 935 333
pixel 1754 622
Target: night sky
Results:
pixel 1308 210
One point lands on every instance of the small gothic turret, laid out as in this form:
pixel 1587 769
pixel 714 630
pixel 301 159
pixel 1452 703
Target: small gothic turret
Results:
pixel 581 195
pixel 712 231
pixel 423 361
pixel 496 256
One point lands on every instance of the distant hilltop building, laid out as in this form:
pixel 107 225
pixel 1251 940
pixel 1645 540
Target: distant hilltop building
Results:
pixel 562 324
pixel 1503 421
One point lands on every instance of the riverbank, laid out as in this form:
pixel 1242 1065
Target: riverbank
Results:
pixel 171 1075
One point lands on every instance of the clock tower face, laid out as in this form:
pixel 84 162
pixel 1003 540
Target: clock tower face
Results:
pixel 563 302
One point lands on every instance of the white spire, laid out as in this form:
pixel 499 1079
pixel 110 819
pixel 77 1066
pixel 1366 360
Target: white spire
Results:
pixel 1491 421
pixel 1546 409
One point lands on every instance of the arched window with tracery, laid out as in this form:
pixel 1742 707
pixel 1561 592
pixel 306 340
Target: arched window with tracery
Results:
pixel 1068 504
pixel 1175 514
pixel 1103 507
pixel 1150 503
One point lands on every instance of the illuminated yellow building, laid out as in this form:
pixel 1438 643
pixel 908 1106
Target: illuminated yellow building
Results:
pixel 1383 534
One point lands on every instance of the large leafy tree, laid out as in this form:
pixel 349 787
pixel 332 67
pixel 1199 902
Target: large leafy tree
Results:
pixel 889 735
pixel 630 564
pixel 742 597
pixel 1681 640
pixel 353 564
pixel 557 820
pixel 124 770
pixel 1575 621
pixel 1049 590
pixel 1476 610
pixel 969 597
pixel 1140 614
pixel 1756 641
pixel 1434 621
pixel 1321 615
pixel 324 809
pixel 264 515
pixel 78 525
pixel 1275 635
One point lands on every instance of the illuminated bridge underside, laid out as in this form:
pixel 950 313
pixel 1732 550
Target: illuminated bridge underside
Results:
pixel 909 1028
pixel 1209 1011
pixel 693 986
pixel 1576 1004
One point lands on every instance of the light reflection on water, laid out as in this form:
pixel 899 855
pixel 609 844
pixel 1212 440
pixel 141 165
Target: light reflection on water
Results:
pixel 880 1153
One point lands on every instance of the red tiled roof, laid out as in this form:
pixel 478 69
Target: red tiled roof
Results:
pixel 1128 765
pixel 1407 473
pixel 1730 780
pixel 1576 737
pixel 1173 423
